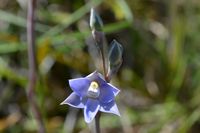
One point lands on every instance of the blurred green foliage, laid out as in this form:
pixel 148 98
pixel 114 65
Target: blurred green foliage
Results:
pixel 159 78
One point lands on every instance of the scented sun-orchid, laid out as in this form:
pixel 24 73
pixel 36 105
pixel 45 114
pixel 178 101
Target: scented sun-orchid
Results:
pixel 93 94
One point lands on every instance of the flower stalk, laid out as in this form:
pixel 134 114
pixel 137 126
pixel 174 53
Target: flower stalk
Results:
pixel 32 66
pixel 97 123
pixel 93 93
pixel 96 25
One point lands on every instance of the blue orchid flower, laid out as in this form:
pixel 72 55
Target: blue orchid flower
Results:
pixel 93 94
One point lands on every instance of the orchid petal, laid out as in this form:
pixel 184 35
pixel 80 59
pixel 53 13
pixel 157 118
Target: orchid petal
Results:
pixel 80 86
pixel 114 89
pixel 110 107
pixel 95 76
pixel 91 109
pixel 74 100
pixel 106 93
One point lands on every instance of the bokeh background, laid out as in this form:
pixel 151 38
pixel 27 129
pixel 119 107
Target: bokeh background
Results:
pixel 159 78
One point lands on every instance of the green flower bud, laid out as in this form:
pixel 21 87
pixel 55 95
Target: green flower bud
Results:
pixel 115 53
pixel 96 22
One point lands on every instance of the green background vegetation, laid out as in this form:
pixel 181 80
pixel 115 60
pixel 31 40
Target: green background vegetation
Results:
pixel 159 79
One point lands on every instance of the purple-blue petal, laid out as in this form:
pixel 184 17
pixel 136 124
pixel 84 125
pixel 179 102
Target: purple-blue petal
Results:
pixel 80 86
pixel 106 93
pixel 110 107
pixel 114 89
pixel 91 108
pixel 74 100
pixel 96 76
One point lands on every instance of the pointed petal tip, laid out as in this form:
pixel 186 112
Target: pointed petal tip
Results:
pixel 115 110
pixel 90 110
pixel 74 100
pixel 110 108
pixel 117 113
pixel 115 90
pixel 62 103
pixel 70 80
pixel 88 120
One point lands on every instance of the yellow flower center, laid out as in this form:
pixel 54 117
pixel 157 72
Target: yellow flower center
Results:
pixel 93 91
pixel 94 85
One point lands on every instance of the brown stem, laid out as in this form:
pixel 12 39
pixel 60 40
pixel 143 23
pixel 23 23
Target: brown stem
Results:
pixel 33 66
pixel 104 64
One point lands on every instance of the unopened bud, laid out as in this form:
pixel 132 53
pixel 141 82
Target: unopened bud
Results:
pixel 115 53
pixel 96 22
pixel 115 58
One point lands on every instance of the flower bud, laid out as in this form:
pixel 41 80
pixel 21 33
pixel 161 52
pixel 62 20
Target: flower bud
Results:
pixel 115 58
pixel 115 53
pixel 96 22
